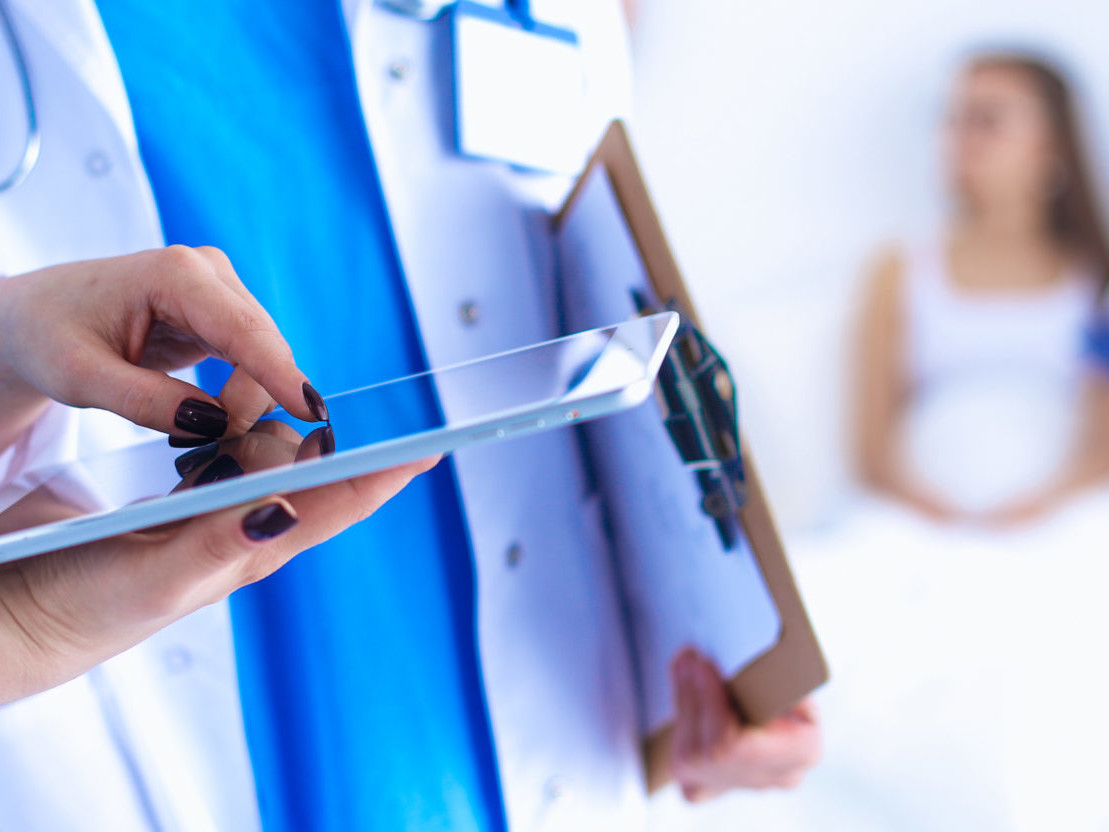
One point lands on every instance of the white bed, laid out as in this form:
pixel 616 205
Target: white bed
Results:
pixel 970 679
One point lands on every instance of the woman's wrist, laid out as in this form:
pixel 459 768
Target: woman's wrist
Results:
pixel 20 402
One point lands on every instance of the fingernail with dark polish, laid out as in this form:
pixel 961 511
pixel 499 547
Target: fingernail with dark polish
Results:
pixel 320 442
pixel 268 522
pixel 204 418
pixel 325 436
pixel 189 441
pixel 315 402
pixel 191 460
pixel 223 468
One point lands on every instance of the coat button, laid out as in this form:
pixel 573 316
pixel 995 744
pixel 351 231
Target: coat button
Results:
pixel 469 313
pixel 513 555
pixel 178 660
pixel 556 790
pixel 97 164
pixel 398 70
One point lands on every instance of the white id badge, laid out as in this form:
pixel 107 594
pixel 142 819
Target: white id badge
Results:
pixel 519 89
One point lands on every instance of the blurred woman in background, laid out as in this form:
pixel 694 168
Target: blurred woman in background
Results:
pixel 976 399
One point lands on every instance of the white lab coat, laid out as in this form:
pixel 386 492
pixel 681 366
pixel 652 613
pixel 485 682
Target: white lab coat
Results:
pixel 153 739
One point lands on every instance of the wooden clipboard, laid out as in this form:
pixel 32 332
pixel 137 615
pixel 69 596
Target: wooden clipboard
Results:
pixel 795 666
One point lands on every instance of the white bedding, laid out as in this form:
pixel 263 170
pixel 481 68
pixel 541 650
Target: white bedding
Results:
pixel 970 682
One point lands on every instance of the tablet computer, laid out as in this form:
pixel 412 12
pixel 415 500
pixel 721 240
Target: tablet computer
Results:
pixel 541 387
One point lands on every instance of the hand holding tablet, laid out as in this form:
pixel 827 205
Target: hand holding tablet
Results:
pixel 541 387
pixel 211 521
pixel 65 611
pixel 104 334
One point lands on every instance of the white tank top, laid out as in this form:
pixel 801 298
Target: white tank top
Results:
pixel 996 378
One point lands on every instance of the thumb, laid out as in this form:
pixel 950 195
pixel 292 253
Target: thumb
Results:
pixel 149 398
pixel 211 556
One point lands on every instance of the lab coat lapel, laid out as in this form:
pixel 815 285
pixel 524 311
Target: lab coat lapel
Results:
pixel 75 30
pixel 88 195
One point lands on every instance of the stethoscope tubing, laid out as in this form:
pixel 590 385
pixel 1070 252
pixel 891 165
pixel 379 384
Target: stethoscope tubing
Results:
pixel 33 145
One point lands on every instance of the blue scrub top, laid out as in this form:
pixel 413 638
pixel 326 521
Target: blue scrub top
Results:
pixel 357 662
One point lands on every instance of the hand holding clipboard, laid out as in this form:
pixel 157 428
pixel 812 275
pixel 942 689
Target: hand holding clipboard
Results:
pixel 771 685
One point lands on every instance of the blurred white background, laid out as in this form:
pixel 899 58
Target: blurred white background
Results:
pixel 784 142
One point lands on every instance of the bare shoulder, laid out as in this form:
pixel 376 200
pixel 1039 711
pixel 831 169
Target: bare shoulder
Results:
pixel 885 272
pixel 880 318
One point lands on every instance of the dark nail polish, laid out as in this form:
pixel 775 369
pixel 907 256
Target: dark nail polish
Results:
pixel 315 402
pixel 191 460
pixel 268 522
pixel 200 417
pixel 189 441
pixel 224 468
pixel 319 443
pixel 325 437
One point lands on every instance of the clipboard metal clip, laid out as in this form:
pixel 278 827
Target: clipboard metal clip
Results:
pixel 697 397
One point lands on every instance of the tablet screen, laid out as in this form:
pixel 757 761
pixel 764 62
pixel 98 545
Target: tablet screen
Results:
pixel 536 388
